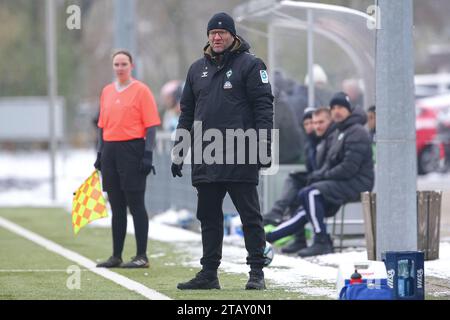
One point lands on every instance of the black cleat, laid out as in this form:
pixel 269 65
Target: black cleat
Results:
pixel 256 281
pixel 322 245
pixel 136 262
pixel 203 280
pixel 112 262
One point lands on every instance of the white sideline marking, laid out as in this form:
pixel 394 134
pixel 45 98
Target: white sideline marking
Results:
pixel 83 261
pixel 37 270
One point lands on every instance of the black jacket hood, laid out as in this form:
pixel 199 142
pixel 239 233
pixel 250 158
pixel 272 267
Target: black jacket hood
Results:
pixel 358 116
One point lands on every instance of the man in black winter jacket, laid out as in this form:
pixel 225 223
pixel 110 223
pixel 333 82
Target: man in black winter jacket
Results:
pixel 347 172
pixel 324 132
pixel 226 89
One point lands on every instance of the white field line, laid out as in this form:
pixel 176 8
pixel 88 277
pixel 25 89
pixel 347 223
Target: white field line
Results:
pixel 83 261
pixel 37 270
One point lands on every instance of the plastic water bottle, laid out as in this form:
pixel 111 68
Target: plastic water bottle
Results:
pixel 405 279
pixel 356 278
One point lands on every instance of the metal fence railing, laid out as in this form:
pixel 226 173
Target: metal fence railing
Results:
pixel 165 192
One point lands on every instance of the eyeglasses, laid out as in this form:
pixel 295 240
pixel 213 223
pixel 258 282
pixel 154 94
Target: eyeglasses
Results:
pixel 221 33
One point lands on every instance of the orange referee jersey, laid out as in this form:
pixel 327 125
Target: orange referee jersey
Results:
pixel 125 114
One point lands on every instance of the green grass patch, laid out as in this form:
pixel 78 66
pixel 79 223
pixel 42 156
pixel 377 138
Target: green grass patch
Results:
pixel 166 267
pixel 28 271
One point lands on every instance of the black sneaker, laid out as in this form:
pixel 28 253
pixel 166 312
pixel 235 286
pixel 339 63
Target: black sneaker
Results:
pixel 203 280
pixel 136 262
pixel 294 247
pixel 112 262
pixel 256 281
pixel 322 245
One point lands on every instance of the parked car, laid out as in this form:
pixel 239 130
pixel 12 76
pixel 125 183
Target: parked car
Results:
pixel 429 85
pixel 433 133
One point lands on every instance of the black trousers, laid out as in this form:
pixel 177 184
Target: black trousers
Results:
pixel 134 200
pixel 125 185
pixel 209 212
pixel 288 200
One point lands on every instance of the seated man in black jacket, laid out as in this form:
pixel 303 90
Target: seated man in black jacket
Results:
pixel 348 171
pixel 324 131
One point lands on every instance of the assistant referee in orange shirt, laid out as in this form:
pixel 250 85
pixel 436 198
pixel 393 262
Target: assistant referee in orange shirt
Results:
pixel 127 130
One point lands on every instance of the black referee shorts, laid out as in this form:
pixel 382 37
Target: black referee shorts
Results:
pixel 120 165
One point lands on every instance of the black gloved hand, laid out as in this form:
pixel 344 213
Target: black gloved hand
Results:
pixel 147 163
pixel 268 155
pixel 176 169
pixel 300 177
pixel 272 218
pixel 98 163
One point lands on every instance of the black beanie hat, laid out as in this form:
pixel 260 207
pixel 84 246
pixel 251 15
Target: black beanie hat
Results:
pixel 221 21
pixel 308 113
pixel 342 99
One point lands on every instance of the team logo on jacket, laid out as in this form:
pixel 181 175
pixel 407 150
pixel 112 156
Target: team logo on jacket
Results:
pixel 229 73
pixel 204 74
pixel 227 85
pixel 264 76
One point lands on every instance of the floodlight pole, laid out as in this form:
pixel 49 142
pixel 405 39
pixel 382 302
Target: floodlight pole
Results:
pixel 396 216
pixel 52 86
pixel 310 45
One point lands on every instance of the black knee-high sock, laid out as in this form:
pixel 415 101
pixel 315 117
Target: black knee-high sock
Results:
pixel 135 201
pixel 119 220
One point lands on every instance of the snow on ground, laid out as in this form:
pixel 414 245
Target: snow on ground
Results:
pixel 440 268
pixel 295 274
pixel 24 182
pixel 313 276
pixel 434 181
pixel 24 177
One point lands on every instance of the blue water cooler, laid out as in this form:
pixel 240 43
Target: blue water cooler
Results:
pixel 405 274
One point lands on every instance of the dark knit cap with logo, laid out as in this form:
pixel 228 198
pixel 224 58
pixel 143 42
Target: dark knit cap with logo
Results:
pixel 221 21
pixel 342 99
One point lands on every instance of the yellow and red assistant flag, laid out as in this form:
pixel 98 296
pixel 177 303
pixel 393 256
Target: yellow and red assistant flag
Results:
pixel 88 203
